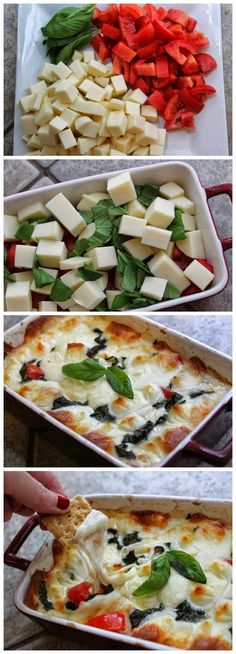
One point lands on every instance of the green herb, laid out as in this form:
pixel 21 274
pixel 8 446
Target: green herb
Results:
pixel 7 275
pixel 103 414
pixel 90 370
pixel 43 596
pixel 129 281
pixel 186 565
pixel 124 453
pixel 186 612
pixel 119 301
pixel 140 303
pixel 160 572
pixel 87 216
pixel 69 29
pixel 117 239
pixel 24 232
pixel 60 292
pixel 79 248
pixel 198 393
pixel 101 235
pixel 171 292
pixel 147 193
pixel 62 401
pixel 88 273
pixel 177 227
pixel 137 616
pixel 119 381
pixel 42 278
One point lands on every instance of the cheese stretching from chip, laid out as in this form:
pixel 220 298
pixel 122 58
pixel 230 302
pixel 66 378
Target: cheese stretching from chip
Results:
pixel 172 394
pixel 183 614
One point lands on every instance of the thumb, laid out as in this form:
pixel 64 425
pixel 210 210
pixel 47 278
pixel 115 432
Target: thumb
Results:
pixel 26 490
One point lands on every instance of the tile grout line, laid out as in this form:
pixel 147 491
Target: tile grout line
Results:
pixel 26 641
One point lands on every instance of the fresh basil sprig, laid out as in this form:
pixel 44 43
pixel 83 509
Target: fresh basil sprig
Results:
pixel 90 370
pixel 147 193
pixel 7 275
pixel 60 292
pixel 69 29
pixel 177 227
pixel 171 292
pixel 42 278
pixel 185 564
pixel 88 273
pixel 24 232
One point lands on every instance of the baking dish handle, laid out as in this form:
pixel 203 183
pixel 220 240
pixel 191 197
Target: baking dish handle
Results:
pixel 221 189
pixel 215 457
pixel 10 557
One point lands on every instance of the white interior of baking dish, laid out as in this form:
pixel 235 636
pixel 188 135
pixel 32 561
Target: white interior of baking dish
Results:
pixel 179 172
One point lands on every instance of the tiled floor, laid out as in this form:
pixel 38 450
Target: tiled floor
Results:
pixel 20 633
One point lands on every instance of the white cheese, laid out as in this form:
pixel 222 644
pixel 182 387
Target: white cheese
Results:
pixel 149 134
pixel 162 266
pixel 50 253
pixel 121 189
pixel 46 136
pixel 48 306
pixel 38 87
pixel 48 72
pixel 89 200
pixel 91 108
pixel 62 71
pixel 189 222
pixel 156 237
pixel 137 249
pixel 45 112
pixel 185 204
pixel 35 210
pixel 28 124
pixel 138 96
pixel 199 275
pixel 67 139
pixel 45 290
pixel 66 305
pixel 18 296
pixel 87 232
pixel 57 124
pixel 78 69
pixel 119 84
pixel 66 91
pixel 77 55
pixel 149 113
pixel 115 104
pixel 110 297
pixel 192 245
pixel 88 55
pixel 24 256
pixel 135 208
pixel 136 124
pixel 89 295
pixel 170 249
pixel 91 538
pixel 51 231
pixel 27 102
pixel 95 92
pixel 64 211
pixel 160 213
pixel 103 258
pixel 132 226
pixel 116 123
pixel 171 190
pixel 96 68
pixel 74 263
pixel 122 143
pixel 153 287
pixel 11 225
pixel 71 280
pixel 25 276
pixel 69 117
pixel 161 136
pixel 85 144
pixel 102 281
pixel 87 126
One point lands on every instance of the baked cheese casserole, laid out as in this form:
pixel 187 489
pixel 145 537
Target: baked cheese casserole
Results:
pixel 146 398
pixel 174 610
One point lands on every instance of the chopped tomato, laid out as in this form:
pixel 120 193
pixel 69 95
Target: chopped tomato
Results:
pixel 178 16
pixel 128 30
pixel 157 100
pixel 171 107
pixel 192 288
pixel 162 33
pixel 190 102
pixel 69 241
pixel 191 24
pixel 117 67
pixel 142 68
pixel 187 119
pixel 136 11
pixel 109 15
pixel 100 47
pixel 147 51
pixel 123 51
pixel 176 253
pixel 11 256
pixel 80 592
pixel 206 62
pixel 145 35
pixel 162 66
pixel 111 31
pixel 126 71
pixel 197 39
pixel 185 82
pixel 32 371
pixel 167 392
pixel 109 621
pixel 142 84
pixel 191 65
pixel 206 264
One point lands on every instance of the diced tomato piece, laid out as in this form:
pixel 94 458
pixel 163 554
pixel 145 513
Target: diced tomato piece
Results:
pixel 157 100
pixel 142 68
pixel 206 62
pixel 111 31
pixel 109 621
pixel 187 119
pixel 160 49
pixel 174 67
pixel 167 392
pixel 141 22
pixel 191 66
pixel 161 13
pixel 172 107
pixel 191 24
pixel 100 47
pixel 173 51
pixel 162 67
pixel 132 76
pixel 69 241
pixel 192 288
pixel 96 14
pixel 206 264
pixel 136 11
pixel 117 67
pixel 197 39
pixel 147 51
pixel 126 71
pixel 80 592
pixel 191 103
pixel 178 32
pixel 176 253
pixel 198 80
pixel 11 256
pixel 184 262
pixel 152 12
pixel 124 52
pixel 178 16
pixel 230 561
pixel 142 84
pixel 162 33
pixel 128 29
pixel 205 89
pixel 145 35
pixel 109 15
pixel 32 371
pixel 185 82
pixel 161 83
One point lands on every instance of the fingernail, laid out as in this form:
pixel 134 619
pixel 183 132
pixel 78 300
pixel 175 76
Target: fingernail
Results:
pixel 63 502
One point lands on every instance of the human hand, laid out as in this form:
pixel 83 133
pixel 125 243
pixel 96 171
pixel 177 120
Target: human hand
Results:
pixel 27 492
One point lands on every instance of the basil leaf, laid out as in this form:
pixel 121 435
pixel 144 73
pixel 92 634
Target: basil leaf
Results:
pixel 65 53
pixel 103 230
pixel 171 292
pixel 140 277
pixel 139 303
pixel 87 216
pixel 177 227
pixel 186 565
pixel 79 247
pixel 129 280
pixel 112 209
pixel 160 572
pixel 60 292
pixel 119 301
pixel 87 370
pixel 88 273
pixel 7 275
pixel 24 232
pixel 42 278
pixel 117 239
pixel 147 193
pixel 122 258
pixel 119 381
pixel 68 22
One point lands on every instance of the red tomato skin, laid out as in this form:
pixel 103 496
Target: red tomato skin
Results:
pixel 108 621
pixel 206 264
pixel 11 256
pixel 80 592
pixel 33 371
pixel 167 392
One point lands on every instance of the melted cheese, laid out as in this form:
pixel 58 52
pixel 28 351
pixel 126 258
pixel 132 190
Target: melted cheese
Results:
pixel 91 538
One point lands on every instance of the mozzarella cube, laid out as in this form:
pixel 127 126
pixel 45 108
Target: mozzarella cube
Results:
pixel 149 135
pixel 171 190
pixel 132 108
pixel 160 213
pixel 138 96
pixel 102 150
pixel 141 152
pixel 57 124
pixel 199 275
pixel 162 266
pixel 91 108
pixel 189 222
pixel 27 103
pixel 28 124
pixel 85 144
pixel 102 81
pixel 110 297
pixel 62 71
pixel 24 256
pixel 103 258
pixel 149 113
pixel 25 276
pixel 67 215
pixel 96 68
pixel 156 237
pixel 119 84
pixel 78 69
pixel 132 226
pixel 48 306
pixel 184 204
pixel 103 280
pixel 122 143
pixel 89 295
pixel 95 92
pixel 45 112
pixel 137 249
pixel 77 55
pixel 71 280
pixel 156 150
pixel 45 290
pixel 67 139
pixel 121 189
pixel 116 123
pixel 50 253
pixel 11 225
pixel 86 126
pixel 135 208
pixel 66 305
pixel 48 72
pixel 88 231
pixel 46 136
pixel 39 87
pixel 18 296
pixel 115 104
pixel 192 245
pixel 170 249
pixel 88 55
pixel 69 117
pixel 153 287
pixel 66 91
pixel 89 200
pixel 51 231
pixel 58 107
pixel 136 124
pixel 74 263
pixel 161 136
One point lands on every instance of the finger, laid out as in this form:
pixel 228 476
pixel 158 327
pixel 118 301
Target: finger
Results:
pixel 21 509
pixel 26 490
pixel 49 480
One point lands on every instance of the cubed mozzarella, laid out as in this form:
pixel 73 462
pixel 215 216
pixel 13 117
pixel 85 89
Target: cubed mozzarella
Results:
pixel 161 136
pixel 119 84
pixel 103 280
pixel 73 263
pixel 67 215
pixel 90 108
pixel 170 249
pixel 138 96
pixel 86 126
pixel 27 103
pixel 38 87
pixel 121 189
pixel 45 112
pixel 11 225
pixel 78 68
pixel 135 208
pixel 132 108
pixel 48 72
pixel 48 306
pixel 50 253
pixel 192 245
pixel 96 68
pixel 117 123
pixel 67 139
pixel 137 249
pixel 18 296
pixel 153 287
pixel 66 91
pixel 45 290
pixel 186 205
pixel 122 143
pixel 95 92
pixel 89 295
pixel 51 231
pixel 85 144
pixel 171 190
pixel 62 71
pixel 57 124
pixel 103 258
pixel 89 200
pixel 199 274
pixel 71 280
pixel 88 231
pixel 115 104
pixel 136 124
pixel 156 237
pixel 162 266
pixel 67 304
pixel 156 150
pixel 149 113
pixel 46 136
pixel 110 297
pixel 132 226
pixel 24 276
pixel 69 117
pixel 24 256
pixel 28 124
pixel 189 222
pixel 160 213
pixel 35 210
pixel 149 134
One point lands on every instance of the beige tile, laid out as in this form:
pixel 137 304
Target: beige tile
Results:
pixel 18 174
